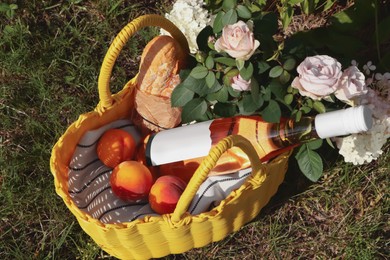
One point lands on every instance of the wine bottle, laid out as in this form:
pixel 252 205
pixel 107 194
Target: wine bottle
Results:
pixel 175 148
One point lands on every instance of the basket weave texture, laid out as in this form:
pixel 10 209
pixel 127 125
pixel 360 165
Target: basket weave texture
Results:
pixel 158 236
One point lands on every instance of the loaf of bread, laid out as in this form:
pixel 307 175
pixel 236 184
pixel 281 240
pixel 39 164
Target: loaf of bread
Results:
pixel 161 61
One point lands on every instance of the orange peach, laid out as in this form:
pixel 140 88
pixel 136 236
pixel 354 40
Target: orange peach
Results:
pixel 115 146
pixel 165 194
pixel 131 180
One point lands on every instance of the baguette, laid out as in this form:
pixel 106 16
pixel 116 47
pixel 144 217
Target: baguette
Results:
pixel 161 62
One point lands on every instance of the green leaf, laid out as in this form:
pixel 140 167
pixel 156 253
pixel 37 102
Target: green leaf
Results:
pixel 8 29
pixel 209 62
pixel 240 64
pixel 206 116
pixel 266 93
pixel 4 7
pixel 329 142
pixel 342 18
pixel 307 7
pixel 285 77
pixel 69 79
pixel 199 72
pixel 248 105
pixel 227 79
pixel 286 16
pixel 319 107
pixel 230 17
pixel 255 89
pixel 309 102
pixel 226 61
pixel 13 6
pixel 221 95
pixel 216 87
pixel 247 72
pixel 329 4
pixel 218 24
pixel 263 66
pixel 276 71
pixel 310 163
pixel 356 17
pixel 229 4
pixel 193 110
pixel 198 86
pixel 210 79
pixel 305 109
pixel 243 12
pixel 271 113
pixel 10 13
pixel 277 89
pixel 181 96
pixel 288 99
pixel 184 74
pixel 232 92
pixel 316 144
pixel 289 64
pixel 225 109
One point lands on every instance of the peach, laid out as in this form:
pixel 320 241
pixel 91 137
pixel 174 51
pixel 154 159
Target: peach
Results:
pixel 165 194
pixel 131 181
pixel 115 146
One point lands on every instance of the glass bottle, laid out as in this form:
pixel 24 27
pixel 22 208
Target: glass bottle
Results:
pixel 181 147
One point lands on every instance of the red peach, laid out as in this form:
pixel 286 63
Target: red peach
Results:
pixel 115 146
pixel 131 180
pixel 165 194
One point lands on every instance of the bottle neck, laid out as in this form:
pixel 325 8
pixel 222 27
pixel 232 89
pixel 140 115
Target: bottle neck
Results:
pixel 289 132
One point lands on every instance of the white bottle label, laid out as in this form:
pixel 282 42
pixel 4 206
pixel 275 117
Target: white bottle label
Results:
pixel 178 144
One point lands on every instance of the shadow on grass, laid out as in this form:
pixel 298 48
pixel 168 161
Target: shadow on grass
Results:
pixel 296 183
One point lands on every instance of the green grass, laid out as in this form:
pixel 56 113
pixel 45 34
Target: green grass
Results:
pixel 50 56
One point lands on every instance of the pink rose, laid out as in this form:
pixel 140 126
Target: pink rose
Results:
pixel 238 41
pixel 240 84
pixel 318 76
pixel 351 84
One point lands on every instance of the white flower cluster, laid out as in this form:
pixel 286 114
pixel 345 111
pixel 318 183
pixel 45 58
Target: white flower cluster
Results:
pixel 190 17
pixel 365 147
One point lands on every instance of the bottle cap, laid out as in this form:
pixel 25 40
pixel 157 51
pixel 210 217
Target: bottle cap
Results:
pixel 343 122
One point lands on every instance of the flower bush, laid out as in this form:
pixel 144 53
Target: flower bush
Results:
pixel 242 64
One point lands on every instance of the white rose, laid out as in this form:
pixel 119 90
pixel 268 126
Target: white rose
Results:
pixel 238 41
pixel 351 84
pixel 241 84
pixel 318 76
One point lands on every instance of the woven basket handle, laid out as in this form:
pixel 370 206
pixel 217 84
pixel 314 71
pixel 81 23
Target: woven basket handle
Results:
pixel 208 164
pixel 119 42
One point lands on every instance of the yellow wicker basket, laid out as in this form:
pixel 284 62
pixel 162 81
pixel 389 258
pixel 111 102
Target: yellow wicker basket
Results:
pixel 158 236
